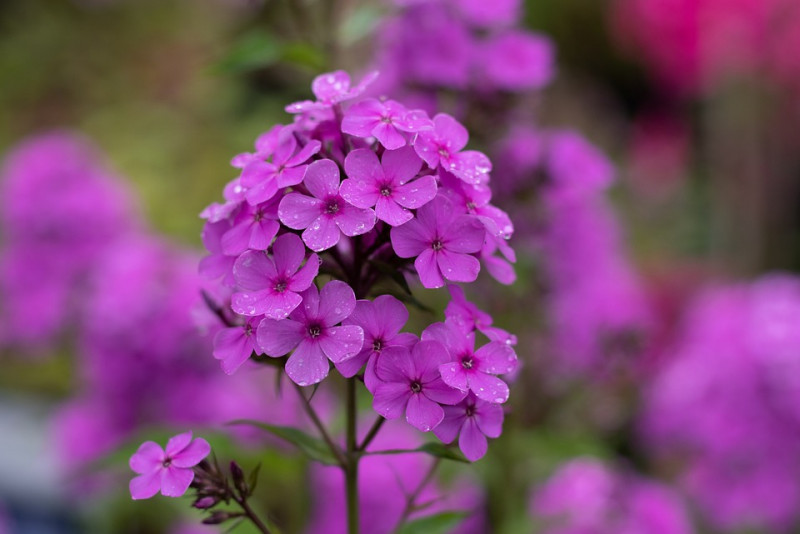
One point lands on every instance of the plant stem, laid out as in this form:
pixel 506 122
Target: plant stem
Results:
pixel 372 433
pixel 351 467
pixel 252 516
pixel 411 499
pixel 312 414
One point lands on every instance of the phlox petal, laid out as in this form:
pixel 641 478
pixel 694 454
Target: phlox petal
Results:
pixel 391 398
pixel 175 481
pixel 428 269
pixel 342 342
pixel 147 458
pixel 277 338
pixel 177 443
pixel 307 365
pixel 321 234
pixel 145 486
pixel 488 387
pixel 192 454
pixel 422 413
pixel 298 211
pixel 457 267
pixel 471 441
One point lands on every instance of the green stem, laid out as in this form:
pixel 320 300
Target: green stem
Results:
pixel 312 414
pixel 351 467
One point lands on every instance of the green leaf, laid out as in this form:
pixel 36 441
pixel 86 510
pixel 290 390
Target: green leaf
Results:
pixel 361 23
pixel 252 479
pixel 253 50
pixel 312 447
pixel 440 523
pixel 304 55
pixel 433 448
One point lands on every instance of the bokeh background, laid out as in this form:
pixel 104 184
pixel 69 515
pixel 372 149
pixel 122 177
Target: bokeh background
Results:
pixel 657 297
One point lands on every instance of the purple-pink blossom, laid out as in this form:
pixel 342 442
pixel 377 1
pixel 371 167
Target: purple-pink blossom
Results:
pixel 470 369
pixel 234 345
pixel 442 242
pixel 311 332
pixel 389 122
pixel 325 216
pixel 442 146
pixel 169 471
pixel 381 321
pixel 332 88
pixel 410 383
pixel 518 60
pixel 254 227
pixel 388 185
pixel 263 179
pixel 472 421
pixel 271 286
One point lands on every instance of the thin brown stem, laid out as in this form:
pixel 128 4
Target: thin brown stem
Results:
pixel 411 499
pixel 373 431
pixel 312 414
pixel 253 516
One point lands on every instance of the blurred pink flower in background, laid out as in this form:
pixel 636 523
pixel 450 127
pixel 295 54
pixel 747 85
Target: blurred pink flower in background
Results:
pixel 725 407
pixel 585 496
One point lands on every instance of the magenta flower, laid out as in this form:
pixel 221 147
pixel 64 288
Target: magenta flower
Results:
pixel 518 60
pixel 265 145
pixel 254 227
pixel 311 332
pixel 263 178
pixel 326 215
pixel 442 242
pixel 385 121
pixel 170 471
pixel 330 89
pixel 271 285
pixel 472 420
pixel 472 369
pixel 442 146
pixel 216 264
pixel 410 383
pixel 381 321
pixel 474 199
pixel 386 184
pixel 233 346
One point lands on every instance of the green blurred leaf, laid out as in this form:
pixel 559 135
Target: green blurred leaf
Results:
pixel 252 480
pixel 253 50
pixel 361 23
pixel 440 523
pixel 312 447
pixel 433 448
pixel 304 55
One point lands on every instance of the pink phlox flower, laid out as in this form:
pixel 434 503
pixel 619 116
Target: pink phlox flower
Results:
pixel 270 286
pixel 381 321
pixel 576 167
pixel 265 145
pixel 387 185
pixel 499 267
pixel 233 346
pixel 325 215
pixel 410 382
pixel 517 60
pixel 385 121
pixel 330 89
pixel 169 471
pixel 472 369
pixel 254 227
pixel 442 242
pixel 311 332
pixel 216 264
pixel 467 317
pixel 472 420
pixel 442 146
pixel 263 179
pixel 474 199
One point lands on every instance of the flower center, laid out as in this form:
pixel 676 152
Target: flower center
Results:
pixel 470 411
pixel 467 362
pixel 248 330
pixel 470 206
pixel 443 152
pixel 377 345
pixel 280 286
pixel 416 387
pixel 332 207
pixel 386 191
pixel 386 119
pixel 257 216
pixel 166 463
pixel 314 330
pixel 437 245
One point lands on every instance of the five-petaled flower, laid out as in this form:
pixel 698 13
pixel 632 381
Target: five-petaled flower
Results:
pixel 442 146
pixel 472 420
pixel 325 215
pixel 410 382
pixel 311 332
pixel 442 242
pixel 387 185
pixel 169 471
pixel 385 121
pixel 271 285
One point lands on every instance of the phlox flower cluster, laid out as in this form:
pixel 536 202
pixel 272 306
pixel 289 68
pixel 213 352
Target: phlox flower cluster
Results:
pixel 60 207
pixel 594 315
pixel 586 496
pixel 354 193
pixel 725 407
